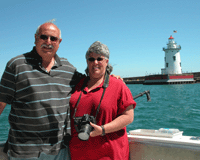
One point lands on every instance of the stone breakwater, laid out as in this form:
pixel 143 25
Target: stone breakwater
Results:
pixel 141 79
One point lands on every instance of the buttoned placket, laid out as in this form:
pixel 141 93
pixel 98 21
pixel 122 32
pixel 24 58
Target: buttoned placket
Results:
pixel 53 67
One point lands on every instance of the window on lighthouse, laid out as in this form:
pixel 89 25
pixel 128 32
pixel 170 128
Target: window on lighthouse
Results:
pixel 166 64
pixel 174 58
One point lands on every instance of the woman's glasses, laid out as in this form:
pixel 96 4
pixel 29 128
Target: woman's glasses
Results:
pixel 52 38
pixel 92 59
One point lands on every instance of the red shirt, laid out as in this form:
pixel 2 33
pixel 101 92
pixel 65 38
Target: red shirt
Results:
pixel 112 146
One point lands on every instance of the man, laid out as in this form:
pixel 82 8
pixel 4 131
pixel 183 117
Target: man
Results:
pixel 37 85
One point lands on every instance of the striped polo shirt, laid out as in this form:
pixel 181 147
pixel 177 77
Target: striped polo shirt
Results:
pixel 39 115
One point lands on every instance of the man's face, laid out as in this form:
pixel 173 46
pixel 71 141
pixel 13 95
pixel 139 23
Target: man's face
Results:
pixel 47 41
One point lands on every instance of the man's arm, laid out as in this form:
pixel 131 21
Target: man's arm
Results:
pixel 2 106
pixel 76 78
pixel 118 77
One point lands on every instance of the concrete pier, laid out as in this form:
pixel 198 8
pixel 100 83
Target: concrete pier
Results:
pixel 185 78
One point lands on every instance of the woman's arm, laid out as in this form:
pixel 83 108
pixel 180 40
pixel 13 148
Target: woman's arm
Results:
pixel 117 124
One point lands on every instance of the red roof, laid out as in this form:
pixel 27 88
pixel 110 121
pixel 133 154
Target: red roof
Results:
pixel 171 37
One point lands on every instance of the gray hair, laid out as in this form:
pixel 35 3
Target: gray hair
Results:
pixel 38 29
pixel 99 48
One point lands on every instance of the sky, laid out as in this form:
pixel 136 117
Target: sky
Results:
pixel 135 31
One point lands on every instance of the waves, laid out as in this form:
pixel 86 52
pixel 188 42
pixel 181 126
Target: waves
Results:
pixel 171 106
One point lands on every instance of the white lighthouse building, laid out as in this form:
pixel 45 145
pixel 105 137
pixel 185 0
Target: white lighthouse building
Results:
pixel 172 58
pixel 172 73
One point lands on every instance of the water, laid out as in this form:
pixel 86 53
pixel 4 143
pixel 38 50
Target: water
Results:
pixel 171 106
pixel 4 125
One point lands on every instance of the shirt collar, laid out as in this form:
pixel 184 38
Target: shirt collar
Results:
pixel 94 89
pixel 37 60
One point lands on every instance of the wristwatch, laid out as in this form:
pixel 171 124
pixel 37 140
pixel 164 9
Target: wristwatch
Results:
pixel 103 131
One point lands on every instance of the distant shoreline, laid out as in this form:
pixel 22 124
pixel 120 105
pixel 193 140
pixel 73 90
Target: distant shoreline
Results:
pixel 141 79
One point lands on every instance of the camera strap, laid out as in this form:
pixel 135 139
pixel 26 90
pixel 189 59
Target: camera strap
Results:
pixel 105 85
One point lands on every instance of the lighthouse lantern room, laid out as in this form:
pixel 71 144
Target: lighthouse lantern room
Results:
pixel 172 58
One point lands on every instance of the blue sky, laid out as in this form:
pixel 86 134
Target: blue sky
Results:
pixel 134 30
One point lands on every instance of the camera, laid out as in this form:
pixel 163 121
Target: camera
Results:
pixel 83 127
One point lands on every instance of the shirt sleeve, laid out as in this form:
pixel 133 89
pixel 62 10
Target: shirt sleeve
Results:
pixel 125 99
pixel 77 77
pixel 7 85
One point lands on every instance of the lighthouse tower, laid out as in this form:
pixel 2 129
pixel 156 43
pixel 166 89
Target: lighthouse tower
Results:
pixel 172 73
pixel 172 58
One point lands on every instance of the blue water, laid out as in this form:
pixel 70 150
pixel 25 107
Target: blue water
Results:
pixel 171 106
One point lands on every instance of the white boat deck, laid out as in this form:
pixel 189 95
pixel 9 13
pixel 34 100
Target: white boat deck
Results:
pixel 156 148
pixel 159 148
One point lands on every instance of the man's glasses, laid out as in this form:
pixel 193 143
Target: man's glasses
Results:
pixel 52 38
pixel 92 59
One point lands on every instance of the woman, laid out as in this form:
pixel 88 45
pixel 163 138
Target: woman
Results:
pixel 111 106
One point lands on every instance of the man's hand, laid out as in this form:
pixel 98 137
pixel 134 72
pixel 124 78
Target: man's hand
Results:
pixel 118 77
pixel 2 106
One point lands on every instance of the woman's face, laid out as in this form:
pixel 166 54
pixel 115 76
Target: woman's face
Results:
pixel 96 65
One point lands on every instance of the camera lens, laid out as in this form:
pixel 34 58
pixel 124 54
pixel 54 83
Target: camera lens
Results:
pixel 84 132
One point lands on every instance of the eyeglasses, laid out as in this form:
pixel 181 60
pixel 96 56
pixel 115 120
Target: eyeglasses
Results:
pixel 52 38
pixel 92 59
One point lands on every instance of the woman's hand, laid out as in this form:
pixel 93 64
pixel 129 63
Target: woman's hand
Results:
pixel 97 130
pixel 115 125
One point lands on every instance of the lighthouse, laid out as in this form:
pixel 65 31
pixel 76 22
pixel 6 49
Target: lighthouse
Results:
pixel 172 73
pixel 172 58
